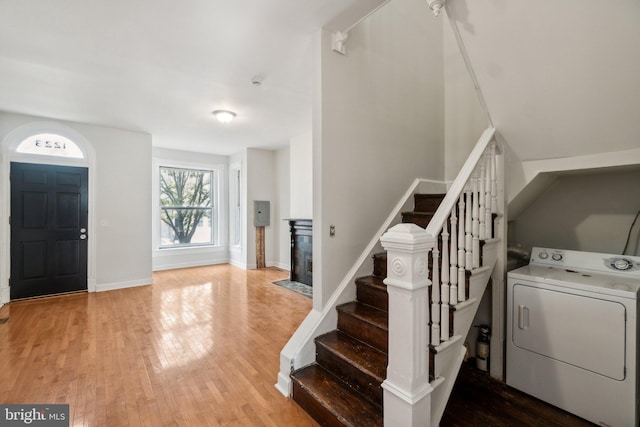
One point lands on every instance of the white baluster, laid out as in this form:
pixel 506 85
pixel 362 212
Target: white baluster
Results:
pixel 488 218
pixel 475 224
pixel 461 253
pixel 444 291
pixel 468 238
pixel 483 200
pixel 444 314
pixel 494 179
pixel 494 183
pixel 435 298
pixel 445 257
pixel 453 268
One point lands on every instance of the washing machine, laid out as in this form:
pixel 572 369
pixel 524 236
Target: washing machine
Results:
pixel 572 322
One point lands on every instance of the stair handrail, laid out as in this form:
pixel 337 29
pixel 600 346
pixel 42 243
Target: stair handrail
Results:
pixel 458 186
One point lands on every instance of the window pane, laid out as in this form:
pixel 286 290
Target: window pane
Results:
pixel 48 144
pixel 185 187
pixel 186 226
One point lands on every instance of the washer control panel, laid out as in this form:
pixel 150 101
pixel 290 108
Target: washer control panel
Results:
pixel 626 265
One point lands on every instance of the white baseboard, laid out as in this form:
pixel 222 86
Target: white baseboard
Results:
pixel 280 265
pixel 284 385
pixel 122 285
pixel 189 264
pixel 238 264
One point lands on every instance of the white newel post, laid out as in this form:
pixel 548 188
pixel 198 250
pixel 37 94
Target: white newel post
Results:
pixel 407 392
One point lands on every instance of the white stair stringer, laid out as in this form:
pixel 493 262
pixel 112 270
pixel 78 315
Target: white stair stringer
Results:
pixel 450 354
pixel 440 395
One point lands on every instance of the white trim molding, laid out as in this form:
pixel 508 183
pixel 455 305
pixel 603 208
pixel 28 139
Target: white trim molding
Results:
pixel 103 287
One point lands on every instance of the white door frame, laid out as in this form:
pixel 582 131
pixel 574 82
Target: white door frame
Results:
pixel 8 154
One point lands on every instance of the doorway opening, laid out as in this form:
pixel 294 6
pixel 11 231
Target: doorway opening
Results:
pixel 49 220
pixel 61 162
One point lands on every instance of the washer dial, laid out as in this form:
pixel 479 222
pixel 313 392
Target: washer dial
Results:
pixel 621 264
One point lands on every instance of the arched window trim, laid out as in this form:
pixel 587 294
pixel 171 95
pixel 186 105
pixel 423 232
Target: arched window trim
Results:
pixel 15 138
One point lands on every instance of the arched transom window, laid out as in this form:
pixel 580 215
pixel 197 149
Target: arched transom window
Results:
pixel 50 144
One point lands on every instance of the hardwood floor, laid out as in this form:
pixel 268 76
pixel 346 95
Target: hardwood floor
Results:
pixel 198 348
pixel 478 400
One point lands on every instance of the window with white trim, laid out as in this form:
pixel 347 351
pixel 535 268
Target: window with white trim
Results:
pixel 188 208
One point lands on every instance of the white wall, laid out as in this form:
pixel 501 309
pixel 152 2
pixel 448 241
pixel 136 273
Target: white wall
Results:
pixel 282 208
pixel 378 125
pixel 260 168
pixel 122 198
pixel 301 164
pixel 464 118
pixel 168 258
pixel 585 212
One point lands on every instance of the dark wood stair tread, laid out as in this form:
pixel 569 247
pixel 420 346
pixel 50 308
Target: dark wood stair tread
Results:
pixel 331 402
pixel 366 313
pixel 366 358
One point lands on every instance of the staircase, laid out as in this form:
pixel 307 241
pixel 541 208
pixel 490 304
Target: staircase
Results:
pixel 423 294
pixel 344 385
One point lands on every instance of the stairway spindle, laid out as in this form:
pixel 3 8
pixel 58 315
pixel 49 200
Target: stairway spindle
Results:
pixel 494 184
pixel 482 200
pixel 444 291
pixel 488 218
pixel 435 298
pixel 475 224
pixel 468 238
pixel 453 268
pixel 461 252
pixel 494 179
pixel 444 316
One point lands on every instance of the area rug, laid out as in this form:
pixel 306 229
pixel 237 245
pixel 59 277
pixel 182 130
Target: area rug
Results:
pixel 298 287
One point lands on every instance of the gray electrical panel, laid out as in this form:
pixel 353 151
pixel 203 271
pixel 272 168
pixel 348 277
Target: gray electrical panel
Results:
pixel 262 214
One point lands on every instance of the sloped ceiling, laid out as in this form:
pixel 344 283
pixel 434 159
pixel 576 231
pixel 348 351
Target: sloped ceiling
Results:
pixel 162 67
pixel 559 78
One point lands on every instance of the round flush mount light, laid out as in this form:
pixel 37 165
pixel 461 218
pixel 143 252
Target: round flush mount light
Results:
pixel 224 116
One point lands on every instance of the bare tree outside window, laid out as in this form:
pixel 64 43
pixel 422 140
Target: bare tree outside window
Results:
pixel 186 207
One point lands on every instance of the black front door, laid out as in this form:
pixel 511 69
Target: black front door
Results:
pixel 48 229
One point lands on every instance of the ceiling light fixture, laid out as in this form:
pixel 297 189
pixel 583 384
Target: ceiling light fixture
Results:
pixel 224 116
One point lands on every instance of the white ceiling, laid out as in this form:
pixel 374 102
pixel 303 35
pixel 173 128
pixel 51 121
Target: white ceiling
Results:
pixel 162 66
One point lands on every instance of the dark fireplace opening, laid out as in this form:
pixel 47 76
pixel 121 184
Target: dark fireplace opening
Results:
pixel 301 251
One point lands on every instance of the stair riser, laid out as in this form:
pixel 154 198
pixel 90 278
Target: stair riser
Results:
pixel 427 203
pixel 322 415
pixel 419 220
pixel 363 331
pixel 374 297
pixel 380 265
pixel 365 384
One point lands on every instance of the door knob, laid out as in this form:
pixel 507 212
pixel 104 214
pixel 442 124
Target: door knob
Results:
pixel 83 236
pixel 83 230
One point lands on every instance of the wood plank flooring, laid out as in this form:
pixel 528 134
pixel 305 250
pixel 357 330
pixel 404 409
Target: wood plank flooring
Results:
pixel 198 348
pixel 478 400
